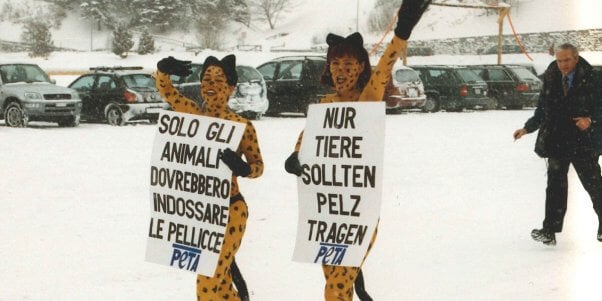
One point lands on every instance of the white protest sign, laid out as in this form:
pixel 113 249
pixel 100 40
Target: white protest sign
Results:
pixel 340 189
pixel 190 191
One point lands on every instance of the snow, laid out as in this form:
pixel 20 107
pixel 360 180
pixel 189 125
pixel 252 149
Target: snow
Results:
pixel 461 195
pixel 460 200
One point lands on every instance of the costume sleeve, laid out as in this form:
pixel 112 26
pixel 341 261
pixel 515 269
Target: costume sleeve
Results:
pixel 176 100
pixel 299 140
pixel 375 89
pixel 249 146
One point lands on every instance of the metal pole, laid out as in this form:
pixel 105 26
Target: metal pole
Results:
pixel 357 15
pixel 91 30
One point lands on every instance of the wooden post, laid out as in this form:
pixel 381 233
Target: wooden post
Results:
pixel 500 21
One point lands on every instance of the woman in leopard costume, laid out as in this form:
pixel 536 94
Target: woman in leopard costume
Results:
pixel 349 73
pixel 218 82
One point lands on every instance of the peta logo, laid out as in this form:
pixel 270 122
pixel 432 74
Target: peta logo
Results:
pixel 331 254
pixel 185 257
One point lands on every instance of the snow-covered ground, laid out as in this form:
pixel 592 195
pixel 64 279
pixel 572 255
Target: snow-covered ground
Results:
pixel 460 201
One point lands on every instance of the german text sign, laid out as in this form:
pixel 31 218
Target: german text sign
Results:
pixel 340 187
pixel 190 191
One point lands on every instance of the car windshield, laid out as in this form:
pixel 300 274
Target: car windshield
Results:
pixel 406 76
pixel 22 73
pixel 523 73
pixel 469 76
pixel 248 74
pixel 139 81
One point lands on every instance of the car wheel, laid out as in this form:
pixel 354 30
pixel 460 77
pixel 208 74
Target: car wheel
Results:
pixel 115 116
pixel 431 104
pixel 71 121
pixel 15 116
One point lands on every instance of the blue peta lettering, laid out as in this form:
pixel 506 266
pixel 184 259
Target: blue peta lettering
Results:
pixel 185 257
pixel 331 254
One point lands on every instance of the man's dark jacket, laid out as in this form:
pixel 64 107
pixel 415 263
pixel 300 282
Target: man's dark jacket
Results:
pixel 558 136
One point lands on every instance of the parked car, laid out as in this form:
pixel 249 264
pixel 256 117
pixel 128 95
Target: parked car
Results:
pixel 28 94
pixel 513 86
pixel 404 91
pixel 118 95
pixel 250 99
pixel 453 88
pixel 293 82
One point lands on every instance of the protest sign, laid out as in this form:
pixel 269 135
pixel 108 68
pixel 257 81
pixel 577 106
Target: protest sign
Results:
pixel 340 188
pixel 190 190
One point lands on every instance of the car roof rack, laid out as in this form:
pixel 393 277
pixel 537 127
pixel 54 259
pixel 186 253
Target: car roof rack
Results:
pixel 115 68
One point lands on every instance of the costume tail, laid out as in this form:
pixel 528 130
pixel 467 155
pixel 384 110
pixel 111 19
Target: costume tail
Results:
pixel 360 289
pixel 239 281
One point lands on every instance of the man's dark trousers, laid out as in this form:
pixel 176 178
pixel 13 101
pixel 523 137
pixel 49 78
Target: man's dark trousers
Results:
pixel 588 170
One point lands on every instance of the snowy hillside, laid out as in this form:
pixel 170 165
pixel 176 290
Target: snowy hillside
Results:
pixel 310 20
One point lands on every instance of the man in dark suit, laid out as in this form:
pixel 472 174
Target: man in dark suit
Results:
pixel 563 118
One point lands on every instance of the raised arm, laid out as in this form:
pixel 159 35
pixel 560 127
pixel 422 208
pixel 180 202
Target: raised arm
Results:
pixel 407 17
pixel 176 100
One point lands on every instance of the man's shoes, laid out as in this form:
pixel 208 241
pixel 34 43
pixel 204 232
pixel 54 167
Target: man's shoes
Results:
pixel 546 236
pixel 600 232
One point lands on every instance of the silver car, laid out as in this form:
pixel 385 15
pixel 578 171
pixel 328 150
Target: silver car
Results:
pixel 28 94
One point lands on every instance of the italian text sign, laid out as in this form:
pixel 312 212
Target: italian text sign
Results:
pixel 190 191
pixel 340 188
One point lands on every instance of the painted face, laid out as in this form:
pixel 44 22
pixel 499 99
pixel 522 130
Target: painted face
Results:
pixel 566 60
pixel 345 71
pixel 214 87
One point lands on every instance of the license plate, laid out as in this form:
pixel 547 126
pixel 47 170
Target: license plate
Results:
pixel 477 91
pixel 61 104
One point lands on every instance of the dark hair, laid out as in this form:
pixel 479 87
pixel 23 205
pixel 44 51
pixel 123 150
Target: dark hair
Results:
pixel 228 65
pixel 351 46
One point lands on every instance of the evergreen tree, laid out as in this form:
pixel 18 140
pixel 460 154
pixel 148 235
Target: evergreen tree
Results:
pixel 146 44
pixel 98 10
pixel 240 12
pixel 37 35
pixel 122 40
pixel 162 13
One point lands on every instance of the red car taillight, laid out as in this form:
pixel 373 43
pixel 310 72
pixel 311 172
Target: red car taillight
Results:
pixel 522 87
pixel 463 90
pixel 129 96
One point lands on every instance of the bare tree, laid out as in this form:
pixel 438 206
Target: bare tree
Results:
pixel 270 10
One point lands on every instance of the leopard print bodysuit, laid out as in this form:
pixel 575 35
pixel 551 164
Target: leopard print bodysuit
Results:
pixel 220 287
